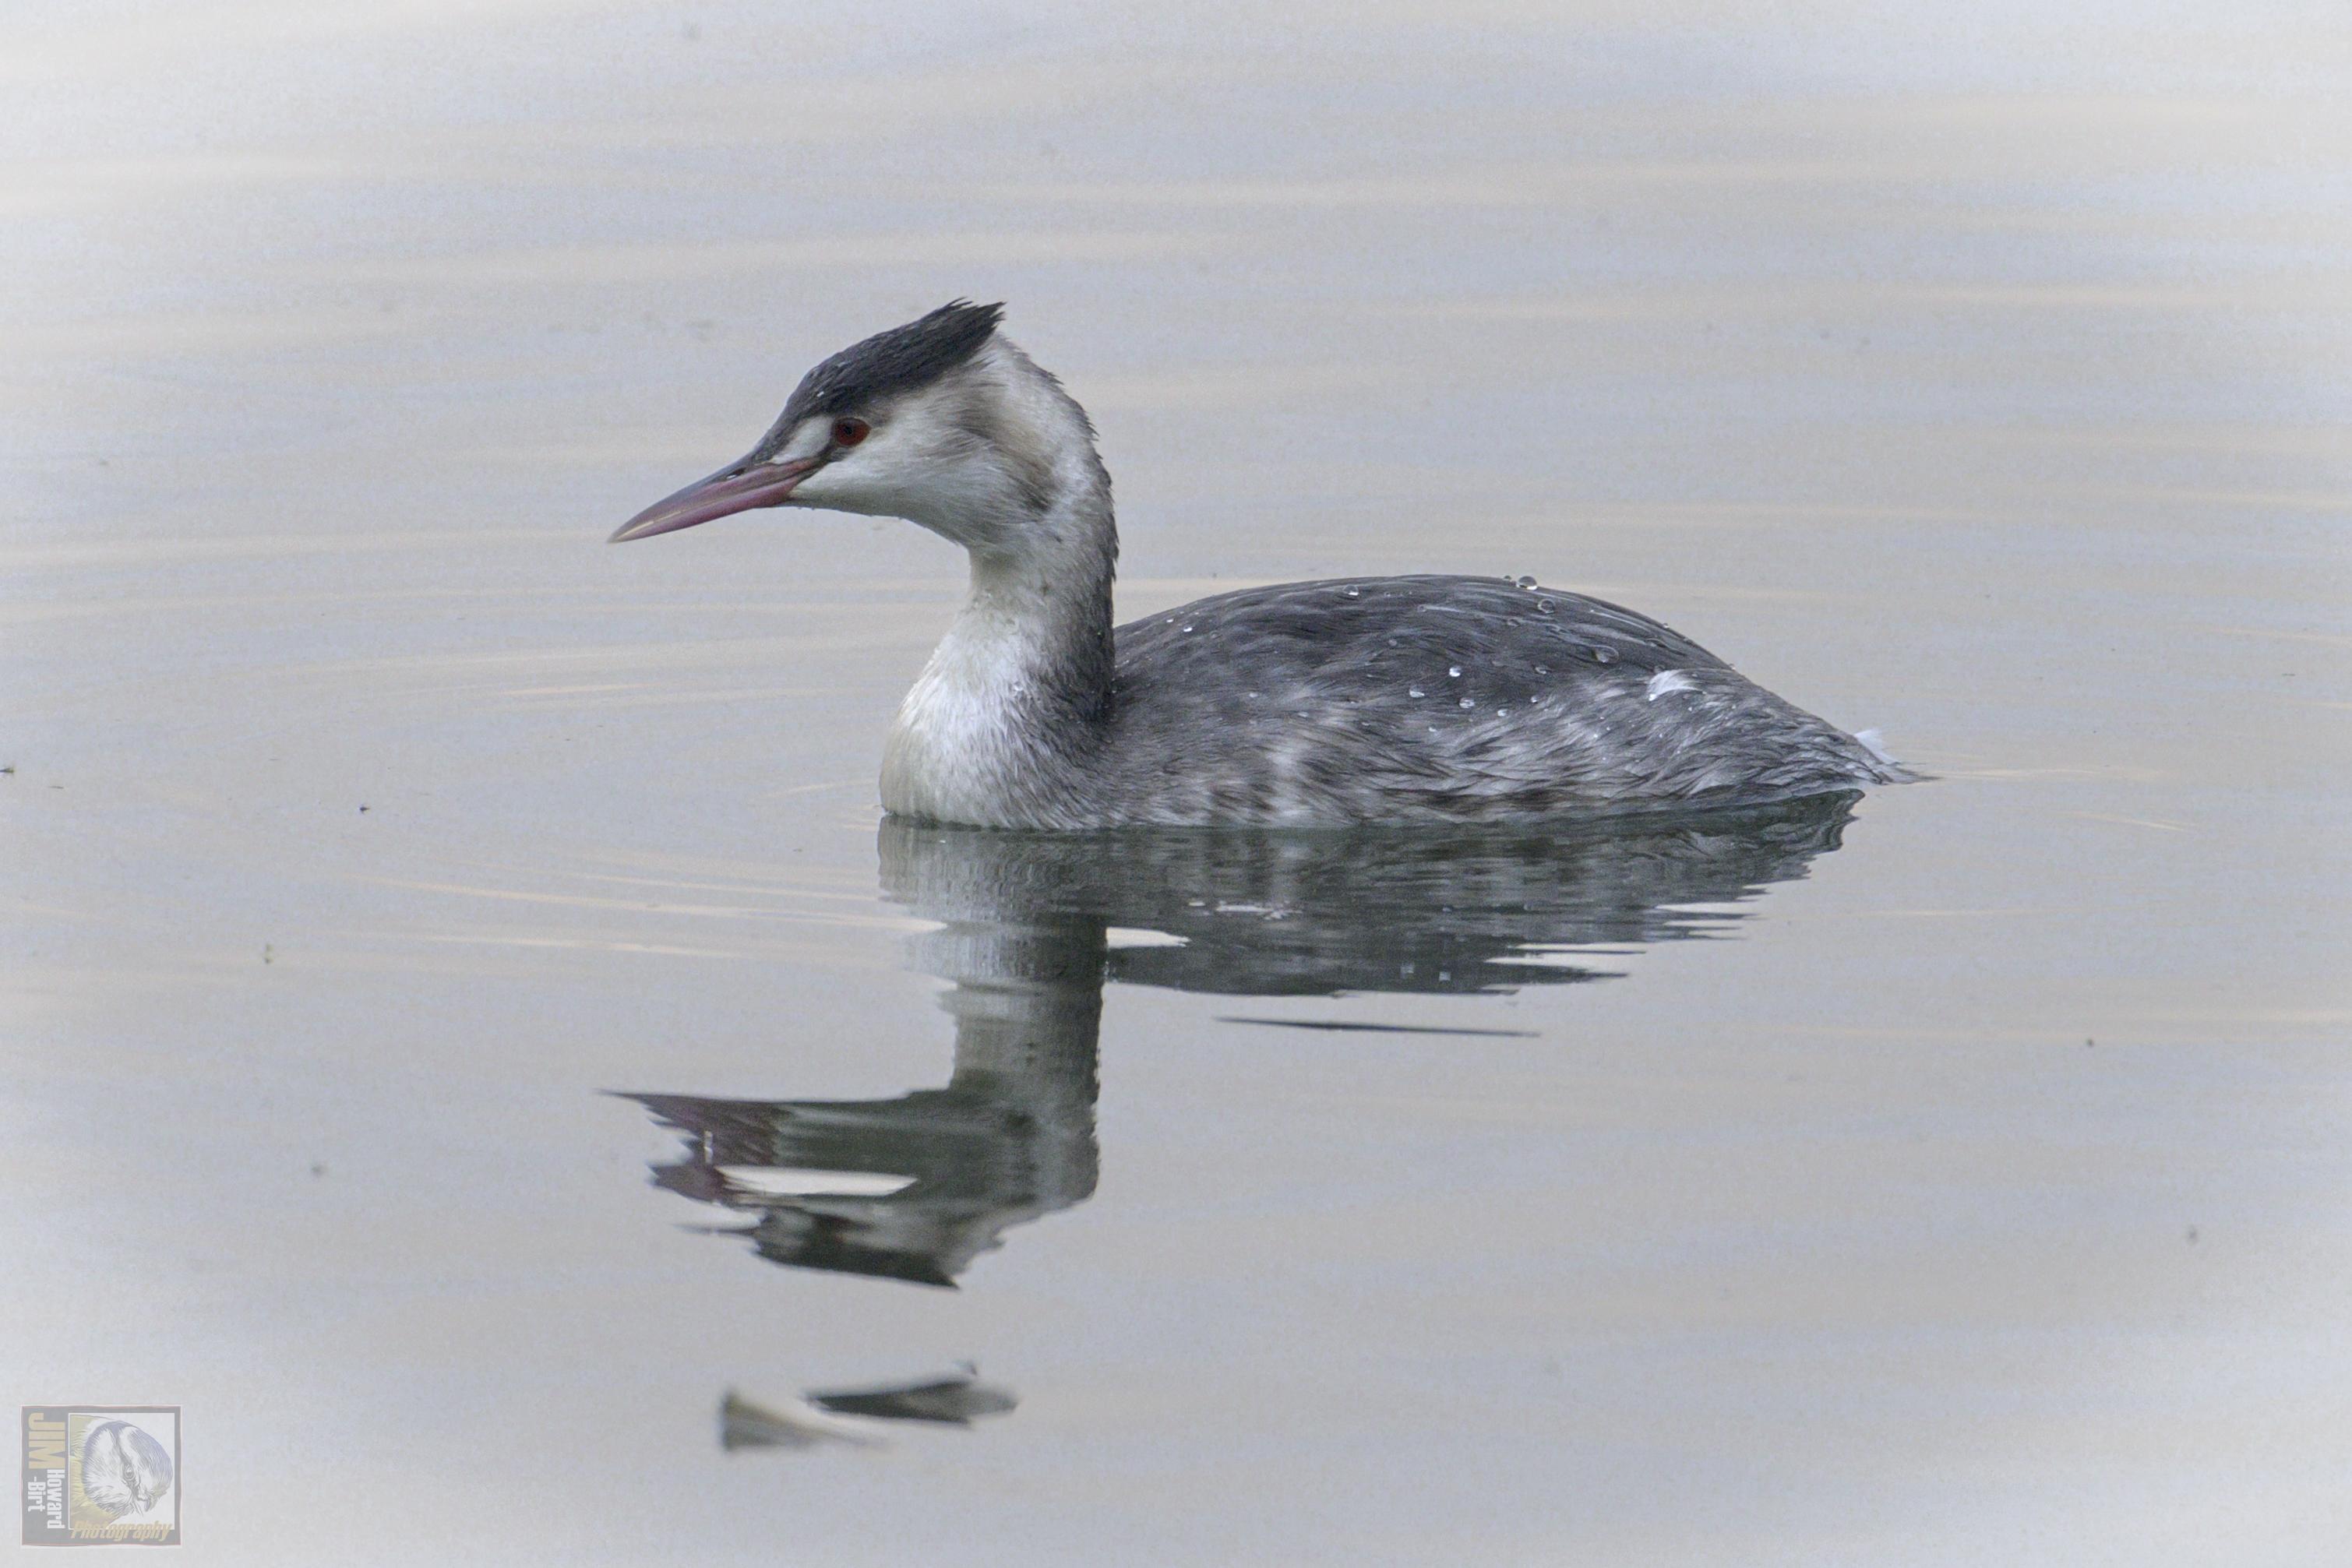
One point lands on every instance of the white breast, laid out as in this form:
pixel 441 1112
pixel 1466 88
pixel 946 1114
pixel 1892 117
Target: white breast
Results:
pixel 952 753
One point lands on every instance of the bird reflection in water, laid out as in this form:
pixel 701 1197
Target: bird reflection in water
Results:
pixel 915 1187
pixel 956 1399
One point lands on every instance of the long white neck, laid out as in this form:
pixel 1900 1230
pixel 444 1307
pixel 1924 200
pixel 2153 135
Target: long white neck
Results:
pixel 1003 723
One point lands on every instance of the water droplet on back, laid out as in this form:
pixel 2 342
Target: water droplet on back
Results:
pixel 1468 701
pixel 1454 672
pixel 1525 581
pixel 1544 606
pixel 1415 692
pixel 1604 656
pixel 1351 593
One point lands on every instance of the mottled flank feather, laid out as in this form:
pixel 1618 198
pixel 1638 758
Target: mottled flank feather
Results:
pixel 1443 698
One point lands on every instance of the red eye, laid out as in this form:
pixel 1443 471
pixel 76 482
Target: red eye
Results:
pixel 849 432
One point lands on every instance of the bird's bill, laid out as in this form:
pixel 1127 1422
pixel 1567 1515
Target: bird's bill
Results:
pixel 737 488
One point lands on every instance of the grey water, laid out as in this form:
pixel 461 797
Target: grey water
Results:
pixel 474 1045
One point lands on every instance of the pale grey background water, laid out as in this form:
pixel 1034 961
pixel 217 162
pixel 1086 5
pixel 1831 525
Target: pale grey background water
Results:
pixel 1979 374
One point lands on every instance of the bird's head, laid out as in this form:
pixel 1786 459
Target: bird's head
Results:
pixel 940 422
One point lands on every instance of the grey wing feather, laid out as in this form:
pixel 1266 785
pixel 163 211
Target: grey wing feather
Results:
pixel 1453 697
pixel 1398 621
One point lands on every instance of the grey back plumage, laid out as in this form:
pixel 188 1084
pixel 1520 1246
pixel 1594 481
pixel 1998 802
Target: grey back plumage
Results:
pixel 1447 699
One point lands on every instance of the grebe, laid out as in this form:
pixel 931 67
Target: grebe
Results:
pixel 1368 699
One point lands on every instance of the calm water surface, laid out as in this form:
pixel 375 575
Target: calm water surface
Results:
pixel 465 1014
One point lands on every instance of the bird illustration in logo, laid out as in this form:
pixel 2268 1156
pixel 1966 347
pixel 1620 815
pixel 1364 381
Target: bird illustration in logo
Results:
pixel 124 1470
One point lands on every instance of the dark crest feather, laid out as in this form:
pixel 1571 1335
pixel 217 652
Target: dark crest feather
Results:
pixel 893 362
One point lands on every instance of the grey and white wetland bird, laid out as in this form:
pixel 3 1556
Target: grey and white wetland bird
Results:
pixel 1421 699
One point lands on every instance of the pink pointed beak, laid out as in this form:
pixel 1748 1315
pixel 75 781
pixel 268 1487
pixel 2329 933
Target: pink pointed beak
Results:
pixel 737 488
